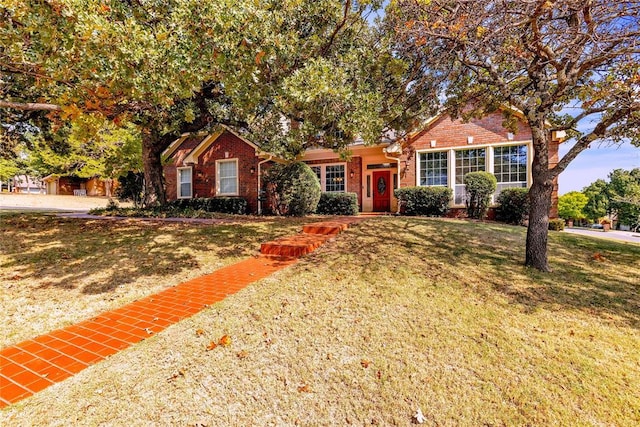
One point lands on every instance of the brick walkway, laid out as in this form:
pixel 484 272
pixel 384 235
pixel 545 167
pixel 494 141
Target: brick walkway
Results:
pixel 30 366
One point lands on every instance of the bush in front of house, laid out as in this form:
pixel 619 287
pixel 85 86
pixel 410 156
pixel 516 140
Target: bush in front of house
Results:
pixel 513 205
pixel 338 204
pixel 292 189
pixel 229 205
pixel 479 187
pixel 428 201
pixel 131 188
pixel 556 224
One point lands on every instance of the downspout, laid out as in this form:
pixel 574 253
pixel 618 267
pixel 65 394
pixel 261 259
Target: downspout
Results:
pixel 397 159
pixel 260 183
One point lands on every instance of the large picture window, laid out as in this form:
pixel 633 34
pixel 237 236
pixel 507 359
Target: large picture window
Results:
pixel 510 166
pixel 184 183
pixel 473 160
pixel 332 177
pixel 227 177
pixel 434 168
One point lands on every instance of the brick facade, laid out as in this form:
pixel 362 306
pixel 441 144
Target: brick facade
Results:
pixel 353 167
pixel 227 146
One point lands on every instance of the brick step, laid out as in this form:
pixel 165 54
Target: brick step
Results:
pixel 326 228
pixel 293 246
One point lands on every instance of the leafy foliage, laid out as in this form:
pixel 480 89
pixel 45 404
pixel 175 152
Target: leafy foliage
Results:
pixel 479 187
pixel 131 188
pixel 624 196
pixel 230 205
pixel 428 201
pixel 556 224
pixel 338 204
pixel 292 189
pixel 512 205
pixel 597 200
pixel 571 205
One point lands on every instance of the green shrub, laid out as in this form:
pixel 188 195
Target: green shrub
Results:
pixel 338 204
pixel 131 188
pixel 431 201
pixel 479 187
pixel 556 224
pixel 513 205
pixel 230 205
pixel 292 189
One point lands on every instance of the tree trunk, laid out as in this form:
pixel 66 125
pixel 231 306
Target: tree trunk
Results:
pixel 153 177
pixel 539 199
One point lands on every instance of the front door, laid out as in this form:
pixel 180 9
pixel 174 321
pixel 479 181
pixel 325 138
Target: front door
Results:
pixel 381 191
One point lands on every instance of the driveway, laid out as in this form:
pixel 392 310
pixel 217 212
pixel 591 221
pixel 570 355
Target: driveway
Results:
pixel 50 203
pixel 623 236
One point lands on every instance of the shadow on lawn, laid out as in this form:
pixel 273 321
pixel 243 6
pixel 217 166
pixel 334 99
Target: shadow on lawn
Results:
pixel 592 275
pixel 55 252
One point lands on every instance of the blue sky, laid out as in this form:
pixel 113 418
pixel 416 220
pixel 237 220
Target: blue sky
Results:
pixel 596 162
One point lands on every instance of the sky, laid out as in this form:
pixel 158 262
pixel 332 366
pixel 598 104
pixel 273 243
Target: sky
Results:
pixel 596 162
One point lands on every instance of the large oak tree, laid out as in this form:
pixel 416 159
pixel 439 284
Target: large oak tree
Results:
pixel 561 63
pixel 183 65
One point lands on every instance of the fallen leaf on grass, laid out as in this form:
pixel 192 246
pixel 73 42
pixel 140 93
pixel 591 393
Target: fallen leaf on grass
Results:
pixel 211 346
pixel 304 389
pixel 365 363
pixel 199 332
pixel 598 257
pixel 225 341
pixel 242 354
pixel 180 373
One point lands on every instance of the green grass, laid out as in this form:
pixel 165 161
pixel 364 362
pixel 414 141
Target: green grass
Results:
pixel 442 314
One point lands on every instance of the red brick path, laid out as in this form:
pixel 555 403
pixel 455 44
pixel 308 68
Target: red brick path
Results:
pixel 33 365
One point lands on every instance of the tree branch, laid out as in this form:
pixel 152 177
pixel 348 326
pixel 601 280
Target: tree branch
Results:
pixel 29 106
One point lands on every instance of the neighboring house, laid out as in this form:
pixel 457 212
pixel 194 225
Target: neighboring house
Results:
pixel 226 164
pixel 27 184
pixel 75 186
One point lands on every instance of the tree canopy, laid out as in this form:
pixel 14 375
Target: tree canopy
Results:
pixel 554 63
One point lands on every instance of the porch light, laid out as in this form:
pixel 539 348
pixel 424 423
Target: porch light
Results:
pixel 510 136
pixel 433 143
pixel 252 170
pixel 351 173
pixel 469 140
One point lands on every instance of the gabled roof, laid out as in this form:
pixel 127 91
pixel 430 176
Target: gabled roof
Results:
pixel 207 141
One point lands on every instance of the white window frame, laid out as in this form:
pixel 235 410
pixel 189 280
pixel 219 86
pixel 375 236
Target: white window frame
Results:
pixel 323 175
pixel 179 181
pixel 510 184
pixel 489 159
pixel 419 176
pixel 218 191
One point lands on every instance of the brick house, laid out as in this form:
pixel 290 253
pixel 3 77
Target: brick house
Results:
pixel 224 163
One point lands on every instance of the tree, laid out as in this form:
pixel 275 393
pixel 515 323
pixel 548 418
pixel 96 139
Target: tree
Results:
pixel 571 205
pixel 183 65
pixel 624 195
pixel 597 200
pixel 556 63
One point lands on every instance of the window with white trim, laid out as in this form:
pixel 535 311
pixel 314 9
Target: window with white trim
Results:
pixel 227 177
pixel 434 168
pixel 510 166
pixel 332 177
pixel 472 160
pixel 185 183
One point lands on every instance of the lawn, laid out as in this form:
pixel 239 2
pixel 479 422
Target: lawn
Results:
pixel 57 271
pixel 393 315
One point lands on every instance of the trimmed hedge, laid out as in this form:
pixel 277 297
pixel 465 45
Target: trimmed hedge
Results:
pixel 338 204
pixel 479 187
pixel 429 201
pixel 230 205
pixel 556 224
pixel 293 189
pixel 513 205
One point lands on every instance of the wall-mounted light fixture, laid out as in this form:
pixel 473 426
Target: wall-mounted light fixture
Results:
pixel 469 140
pixel 510 136
pixel 433 143
pixel 252 170
pixel 351 173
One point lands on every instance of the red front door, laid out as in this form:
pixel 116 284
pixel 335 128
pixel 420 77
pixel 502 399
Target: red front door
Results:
pixel 381 191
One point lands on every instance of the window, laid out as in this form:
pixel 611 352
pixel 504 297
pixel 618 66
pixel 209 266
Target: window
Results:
pixel 433 168
pixel 332 177
pixel 184 183
pixel 510 166
pixel 227 177
pixel 472 160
